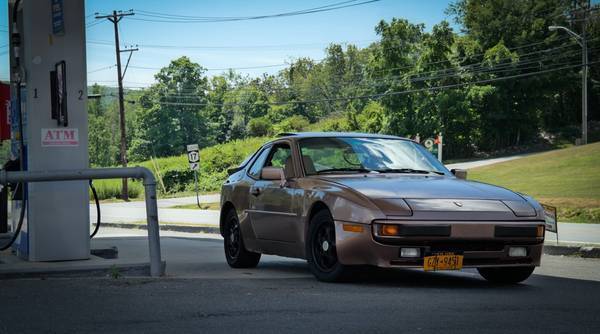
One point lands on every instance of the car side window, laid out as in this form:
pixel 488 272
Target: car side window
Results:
pixel 279 156
pixel 258 164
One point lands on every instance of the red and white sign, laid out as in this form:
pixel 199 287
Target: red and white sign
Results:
pixel 60 137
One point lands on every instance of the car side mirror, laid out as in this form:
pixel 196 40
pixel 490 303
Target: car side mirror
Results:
pixel 273 173
pixel 460 173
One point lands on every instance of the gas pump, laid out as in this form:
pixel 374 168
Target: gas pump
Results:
pixel 48 128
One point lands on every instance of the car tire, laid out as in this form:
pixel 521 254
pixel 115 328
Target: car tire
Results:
pixel 235 252
pixel 321 253
pixel 506 275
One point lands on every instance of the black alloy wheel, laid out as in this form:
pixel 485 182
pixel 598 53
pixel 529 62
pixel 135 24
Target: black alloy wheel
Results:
pixel 324 251
pixel 321 250
pixel 235 252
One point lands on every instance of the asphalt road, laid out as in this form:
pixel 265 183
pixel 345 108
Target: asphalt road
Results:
pixel 202 294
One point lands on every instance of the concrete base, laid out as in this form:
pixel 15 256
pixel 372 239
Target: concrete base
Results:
pixel 11 266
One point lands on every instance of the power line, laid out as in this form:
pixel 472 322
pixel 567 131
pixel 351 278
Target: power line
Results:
pixel 471 69
pixel 93 24
pixel 393 93
pixel 160 14
pixel 232 47
pixel 335 87
pixel 459 71
pixel 218 69
pixel 101 69
pixel 389 69
pixel 382 70
pixel 173 18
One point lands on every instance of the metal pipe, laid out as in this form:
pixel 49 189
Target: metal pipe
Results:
pixel 106 173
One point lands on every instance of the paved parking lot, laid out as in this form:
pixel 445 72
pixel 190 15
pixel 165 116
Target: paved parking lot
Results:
pixel 202 294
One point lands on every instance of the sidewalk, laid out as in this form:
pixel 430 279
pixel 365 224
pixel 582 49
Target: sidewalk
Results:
pixel 572 233
pixel 135 211
pixel 485 162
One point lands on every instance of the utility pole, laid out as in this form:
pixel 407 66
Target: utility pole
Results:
pixel 115 17
pixel 582 41
pixel 584 75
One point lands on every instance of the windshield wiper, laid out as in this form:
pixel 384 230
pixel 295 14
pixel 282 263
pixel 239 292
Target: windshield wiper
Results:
pixel 409 171
pixel 344 169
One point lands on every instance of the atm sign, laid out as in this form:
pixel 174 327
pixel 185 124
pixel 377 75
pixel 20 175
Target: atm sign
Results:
pixel 60 137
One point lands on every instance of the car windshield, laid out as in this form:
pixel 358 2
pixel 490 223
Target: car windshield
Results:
pixel 364 154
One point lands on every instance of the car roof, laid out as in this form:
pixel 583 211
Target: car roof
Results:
pixel 299 135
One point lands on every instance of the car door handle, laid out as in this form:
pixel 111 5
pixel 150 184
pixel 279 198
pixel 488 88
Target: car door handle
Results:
pixel 255 191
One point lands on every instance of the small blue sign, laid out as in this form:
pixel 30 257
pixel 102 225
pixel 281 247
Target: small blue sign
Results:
pixel 58 17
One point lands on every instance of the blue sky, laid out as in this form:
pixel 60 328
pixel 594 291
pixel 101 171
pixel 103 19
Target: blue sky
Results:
pixel 256 43
pixel 230 44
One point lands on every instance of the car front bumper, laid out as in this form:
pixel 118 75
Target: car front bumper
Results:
pixel 483 244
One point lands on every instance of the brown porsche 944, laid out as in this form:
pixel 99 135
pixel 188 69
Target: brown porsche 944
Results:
pixel 341 200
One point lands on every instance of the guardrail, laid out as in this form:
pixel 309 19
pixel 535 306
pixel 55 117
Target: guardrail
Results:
pixel 106 173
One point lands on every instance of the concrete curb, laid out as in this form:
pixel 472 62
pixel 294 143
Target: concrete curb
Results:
pixel 585 251
pixel 168 227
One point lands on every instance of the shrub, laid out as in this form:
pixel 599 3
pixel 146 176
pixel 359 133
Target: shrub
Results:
pixel 330 124
pixel 107 189
pixel 259 127
pixel 214 162
pixel 292 124
pixel 175 180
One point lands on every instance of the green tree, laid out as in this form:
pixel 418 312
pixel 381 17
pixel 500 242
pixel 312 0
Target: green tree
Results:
pixel 174 111
pixel 102 126
pixel 391 63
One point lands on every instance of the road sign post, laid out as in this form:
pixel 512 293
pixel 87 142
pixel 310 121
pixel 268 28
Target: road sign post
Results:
pixel 194 161
pixel 439 143
pixel 551 219
pixel 434 145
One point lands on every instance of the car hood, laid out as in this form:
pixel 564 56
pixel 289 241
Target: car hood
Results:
pixel 421 186
pixel 436 197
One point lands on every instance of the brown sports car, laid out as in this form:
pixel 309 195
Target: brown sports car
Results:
pixel 341 200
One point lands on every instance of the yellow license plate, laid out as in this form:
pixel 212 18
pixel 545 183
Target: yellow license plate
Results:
pixel 446 261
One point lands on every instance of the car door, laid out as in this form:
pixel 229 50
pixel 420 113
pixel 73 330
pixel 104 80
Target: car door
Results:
pixel 273 210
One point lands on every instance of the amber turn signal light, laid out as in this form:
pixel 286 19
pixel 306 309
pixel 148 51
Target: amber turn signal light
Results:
pixel 540 231
pixel 389 230
pixel 352 228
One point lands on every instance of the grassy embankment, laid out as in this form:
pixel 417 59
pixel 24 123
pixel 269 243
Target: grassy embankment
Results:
pixel 176 179
pixel 567 178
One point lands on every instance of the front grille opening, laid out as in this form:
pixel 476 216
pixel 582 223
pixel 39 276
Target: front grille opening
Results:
pixel 467 246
